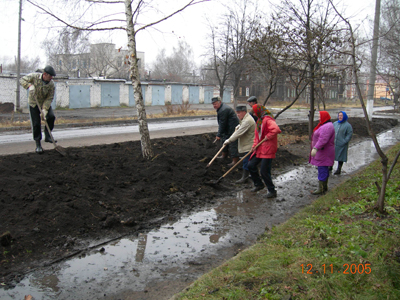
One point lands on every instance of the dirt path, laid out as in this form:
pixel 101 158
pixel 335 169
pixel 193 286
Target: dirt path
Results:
pixel 51 207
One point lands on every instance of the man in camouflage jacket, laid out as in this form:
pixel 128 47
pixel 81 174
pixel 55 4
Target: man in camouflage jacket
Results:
pixel 41 88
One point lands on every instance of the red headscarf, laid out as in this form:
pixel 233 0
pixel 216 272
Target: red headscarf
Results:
pixel 260 111
pixel 324 117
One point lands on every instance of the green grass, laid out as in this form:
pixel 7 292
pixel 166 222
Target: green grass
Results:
pixel 323 252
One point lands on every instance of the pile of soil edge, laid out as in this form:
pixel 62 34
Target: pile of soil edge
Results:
pixel 52 206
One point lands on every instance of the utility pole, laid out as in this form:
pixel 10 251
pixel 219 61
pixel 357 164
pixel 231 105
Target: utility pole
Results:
pixel 17 94
pixel 374 55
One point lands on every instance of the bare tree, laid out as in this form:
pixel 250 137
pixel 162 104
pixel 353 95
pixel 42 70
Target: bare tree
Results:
pixel 310 33
pixel 62 50
pixel 219 61
pixel 176 67
pixel 265 51
pixel 27 65
pixel 388 66
pixel 228 44
pixel 103 15
pixel 384 159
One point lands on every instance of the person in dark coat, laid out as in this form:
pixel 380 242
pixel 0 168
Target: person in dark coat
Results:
pixel 227 122
pixel 343 134
pixel 251 101
pixel 323 150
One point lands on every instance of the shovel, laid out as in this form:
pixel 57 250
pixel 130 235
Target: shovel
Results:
pixel 213 183
pixel 220 150
pixel 59 149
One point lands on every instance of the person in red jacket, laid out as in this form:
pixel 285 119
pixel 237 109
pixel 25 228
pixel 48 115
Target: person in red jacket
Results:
pixel 266 128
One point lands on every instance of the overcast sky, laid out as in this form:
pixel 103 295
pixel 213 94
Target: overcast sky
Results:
pixel 189 25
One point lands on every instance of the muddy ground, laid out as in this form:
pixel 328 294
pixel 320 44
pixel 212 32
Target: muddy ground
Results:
pixel 53 207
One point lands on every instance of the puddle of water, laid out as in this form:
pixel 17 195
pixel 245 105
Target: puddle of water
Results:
pixel 170 252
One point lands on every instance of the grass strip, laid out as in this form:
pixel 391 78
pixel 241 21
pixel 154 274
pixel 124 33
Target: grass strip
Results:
pixel 339 247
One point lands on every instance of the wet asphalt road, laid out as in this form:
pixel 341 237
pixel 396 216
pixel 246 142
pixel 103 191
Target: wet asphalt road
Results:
pixel 20 141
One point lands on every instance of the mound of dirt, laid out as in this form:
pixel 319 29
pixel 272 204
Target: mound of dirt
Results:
pixel 52 206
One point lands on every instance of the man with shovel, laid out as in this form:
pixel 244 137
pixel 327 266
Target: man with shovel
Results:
pixel 244 133
pixel 227 122
pixel 41 88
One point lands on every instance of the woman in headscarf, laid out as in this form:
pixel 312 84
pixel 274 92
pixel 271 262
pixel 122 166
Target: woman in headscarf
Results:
pixel 323 150
pixel 343 134
pixel 266 127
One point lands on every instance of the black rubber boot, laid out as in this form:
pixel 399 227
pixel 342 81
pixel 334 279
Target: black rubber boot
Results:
pixel 234 161
pixel 320 189
pixel 325 186
pixel 245 176
pixel 257 188
pixel 223 155
pixel 39 148
pixel 47 139
pixel 339 168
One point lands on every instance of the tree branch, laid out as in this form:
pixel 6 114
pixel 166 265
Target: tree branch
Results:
pixel 393 164
pixel 77 27
pixel 192 2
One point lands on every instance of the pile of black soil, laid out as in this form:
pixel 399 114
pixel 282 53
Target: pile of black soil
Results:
pixel 51 206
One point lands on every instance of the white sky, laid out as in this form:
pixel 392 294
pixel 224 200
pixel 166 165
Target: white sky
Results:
pixel 189 25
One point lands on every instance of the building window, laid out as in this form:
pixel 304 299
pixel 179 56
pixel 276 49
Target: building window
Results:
pixel 247 92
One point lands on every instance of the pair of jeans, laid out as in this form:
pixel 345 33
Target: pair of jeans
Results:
pixel 246 162
pixel 265 171
pixel 36 122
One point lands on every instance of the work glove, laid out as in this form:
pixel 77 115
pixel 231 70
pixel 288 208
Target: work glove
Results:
pixel 31 88
pixel 314 152
pixel 226 142
pixel 44 113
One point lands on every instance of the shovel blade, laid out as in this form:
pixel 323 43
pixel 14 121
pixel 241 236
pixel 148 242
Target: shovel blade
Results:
pixel 60 150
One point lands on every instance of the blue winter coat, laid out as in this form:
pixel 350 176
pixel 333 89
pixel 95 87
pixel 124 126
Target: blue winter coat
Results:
pixel 343 134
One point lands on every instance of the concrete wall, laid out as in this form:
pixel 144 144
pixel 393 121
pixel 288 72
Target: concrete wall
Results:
pixel 62 95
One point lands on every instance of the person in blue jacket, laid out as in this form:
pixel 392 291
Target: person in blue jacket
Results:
pixel 343 134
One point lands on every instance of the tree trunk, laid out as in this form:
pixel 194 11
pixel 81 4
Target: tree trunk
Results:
pixel 147 151
pixel 312 103
pixel 381 199
pixel 374 54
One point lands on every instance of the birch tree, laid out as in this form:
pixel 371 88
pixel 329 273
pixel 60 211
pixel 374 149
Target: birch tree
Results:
pixel 131 16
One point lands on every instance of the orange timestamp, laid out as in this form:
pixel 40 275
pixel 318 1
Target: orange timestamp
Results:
pixel 346 269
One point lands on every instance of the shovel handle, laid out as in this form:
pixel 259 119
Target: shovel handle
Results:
pixel 250 152
pixel 220 150
pixel 45 122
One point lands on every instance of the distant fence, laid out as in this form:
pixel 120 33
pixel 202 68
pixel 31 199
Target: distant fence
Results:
pixel 87 92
